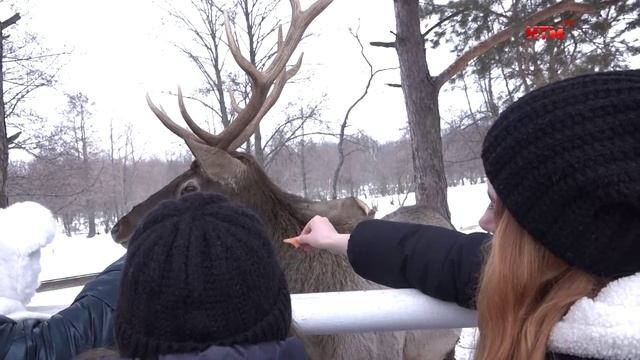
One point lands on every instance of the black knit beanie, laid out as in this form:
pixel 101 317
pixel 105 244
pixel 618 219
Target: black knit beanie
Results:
pixel 200 271
pixel 565 161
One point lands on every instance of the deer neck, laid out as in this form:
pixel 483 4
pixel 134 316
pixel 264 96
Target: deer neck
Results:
pixel 306 271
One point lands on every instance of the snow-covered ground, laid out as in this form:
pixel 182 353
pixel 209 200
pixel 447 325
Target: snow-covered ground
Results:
pixel 68 256
pixel 76 255
pixel 466 203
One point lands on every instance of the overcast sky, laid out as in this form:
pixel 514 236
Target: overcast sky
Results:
pixel 122 49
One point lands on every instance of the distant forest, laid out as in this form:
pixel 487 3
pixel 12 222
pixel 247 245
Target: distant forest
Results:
pixel 118 178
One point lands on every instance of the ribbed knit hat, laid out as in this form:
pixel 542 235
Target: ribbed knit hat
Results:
pixel 565 161
pixel 200 271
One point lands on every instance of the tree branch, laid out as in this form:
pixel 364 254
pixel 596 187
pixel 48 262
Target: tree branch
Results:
pixel 341 154
pixel 507 33
pixel 10 21
pixel 11 139
pixel 439 23
pixel 383 44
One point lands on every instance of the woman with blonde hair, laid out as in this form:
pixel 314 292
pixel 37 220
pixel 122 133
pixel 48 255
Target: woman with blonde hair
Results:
pixel 561 277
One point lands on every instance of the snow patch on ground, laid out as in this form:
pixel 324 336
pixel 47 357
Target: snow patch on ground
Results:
pixel 466 203
pixel 68 256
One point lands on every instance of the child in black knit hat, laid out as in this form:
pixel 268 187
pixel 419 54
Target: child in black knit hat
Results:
pixel 201 281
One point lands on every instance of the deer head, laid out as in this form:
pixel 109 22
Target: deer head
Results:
pixel 220 168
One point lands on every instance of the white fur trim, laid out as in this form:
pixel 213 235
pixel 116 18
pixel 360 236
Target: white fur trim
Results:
pixel 17 311
pixel 605 327
pixel 24 229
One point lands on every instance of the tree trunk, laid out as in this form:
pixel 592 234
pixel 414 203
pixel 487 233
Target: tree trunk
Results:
pixel 89 203
pixel 4 142
pixel 4 147
pixel 67 223
pixel 91 218
pixel 219 88
pixel 336 173
pixel 305 191
pixel 257 138
pixel 421 100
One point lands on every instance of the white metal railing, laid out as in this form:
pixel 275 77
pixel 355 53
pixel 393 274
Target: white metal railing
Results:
pixel 375 310
pixel 369 310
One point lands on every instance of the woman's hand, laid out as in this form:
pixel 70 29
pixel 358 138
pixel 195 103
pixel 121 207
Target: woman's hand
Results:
pixel 319 233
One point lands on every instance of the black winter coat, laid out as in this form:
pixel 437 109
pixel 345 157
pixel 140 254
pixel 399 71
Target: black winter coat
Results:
pixel 439 262
pixel 87 323
pixel 442 263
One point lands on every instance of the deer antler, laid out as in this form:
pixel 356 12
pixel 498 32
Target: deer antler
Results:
pixel 263 96
pixel 278 85
pixel 262 81
pixel 200 132
pixel 169 124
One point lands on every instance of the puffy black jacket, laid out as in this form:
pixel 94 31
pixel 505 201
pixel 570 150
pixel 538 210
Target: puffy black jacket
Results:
pixel 289 349
pixel 87 323
pixel 439 262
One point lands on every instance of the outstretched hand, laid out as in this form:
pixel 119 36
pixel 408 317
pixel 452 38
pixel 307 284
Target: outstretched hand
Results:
pixel 319 233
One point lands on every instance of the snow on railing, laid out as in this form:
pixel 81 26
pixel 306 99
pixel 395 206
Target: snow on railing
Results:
pixel 369 310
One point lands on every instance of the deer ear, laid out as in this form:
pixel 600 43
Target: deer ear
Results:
pixel 217 163
pixel 344 214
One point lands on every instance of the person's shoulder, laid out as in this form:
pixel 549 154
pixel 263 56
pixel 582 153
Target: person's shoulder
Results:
pixel 290 348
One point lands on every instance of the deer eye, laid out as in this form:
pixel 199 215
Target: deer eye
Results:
pixel 190 188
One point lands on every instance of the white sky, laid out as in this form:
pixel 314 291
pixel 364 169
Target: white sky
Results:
pixel 122 49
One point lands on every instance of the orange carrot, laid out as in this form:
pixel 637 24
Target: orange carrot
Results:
pixel 294 241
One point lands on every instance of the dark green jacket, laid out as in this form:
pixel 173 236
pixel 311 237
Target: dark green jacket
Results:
pixel 86 324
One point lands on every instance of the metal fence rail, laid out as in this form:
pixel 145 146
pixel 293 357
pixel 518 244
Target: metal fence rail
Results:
pixel 375 310
pixel 344 312
pixel 66 282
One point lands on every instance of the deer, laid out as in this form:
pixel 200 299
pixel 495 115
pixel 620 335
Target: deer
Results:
pixel 220 167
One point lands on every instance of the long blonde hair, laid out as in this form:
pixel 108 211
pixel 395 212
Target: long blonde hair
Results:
pixel 524 291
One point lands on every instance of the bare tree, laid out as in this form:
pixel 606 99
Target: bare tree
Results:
pixel 256 16
pixel 343 126
pixel 208 54
pixel 78 111
pixel 4 140
pixel 257 21
pixel 25 67
pixel 124 160
pixel 303 165
pixel 293 128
